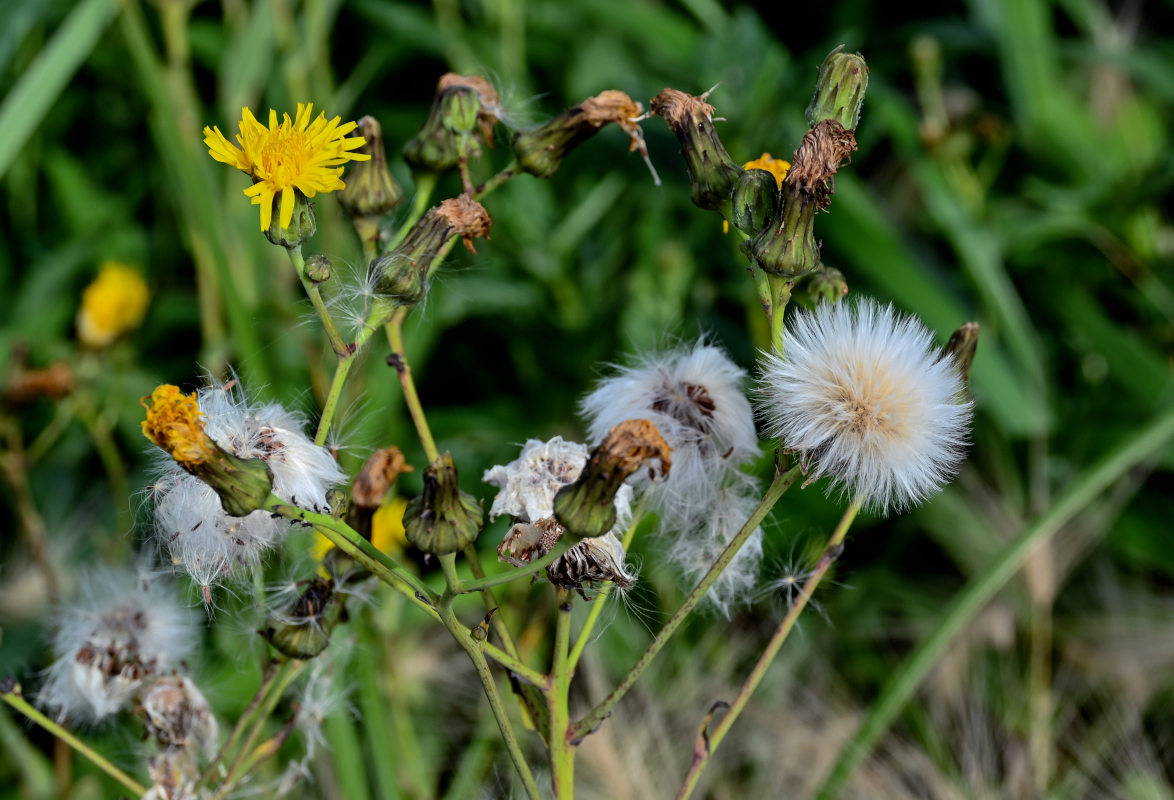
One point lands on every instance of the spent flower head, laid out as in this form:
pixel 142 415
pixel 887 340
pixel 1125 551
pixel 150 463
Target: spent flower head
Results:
pixel 291 156
pixel 114 304
pixel 121 629
pixel 866 397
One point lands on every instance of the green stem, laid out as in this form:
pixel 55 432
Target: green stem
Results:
pixel 491 605
pixel 13 698
pixel 706 744
pixel 374 320
pixel 1142 445
pixel 562 755
pixel 350 542
pixel 395 338
pixel 336 341
pixel 515 665
pixel 497 180
pixel 779 294
pixel 448 565
pixel 514 574
pixel 782 482
pixel 242 722
pixel 425 183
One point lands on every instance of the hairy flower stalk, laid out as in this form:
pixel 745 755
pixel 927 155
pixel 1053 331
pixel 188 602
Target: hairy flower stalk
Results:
pixel 541 150
pixel 114 304
pixel 289 162
pixel 865 396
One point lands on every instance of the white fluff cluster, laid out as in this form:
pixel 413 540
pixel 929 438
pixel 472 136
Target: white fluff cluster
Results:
pixel 121 631
pixel 694 396
pixel 200 537
pixel 868 398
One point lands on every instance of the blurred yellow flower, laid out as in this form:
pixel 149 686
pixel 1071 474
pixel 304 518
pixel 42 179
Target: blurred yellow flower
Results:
pixel 775 166
pixel 175 423
pixel 113 304
pixel 297 155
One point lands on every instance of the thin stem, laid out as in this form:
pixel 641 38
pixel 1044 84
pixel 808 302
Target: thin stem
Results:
pixel 782 482
pixel 491 606
pixel 374 320
pixel 395 338
pixel 336 341
pixel 515 665
pixel 562 755
pixel 425 183
pixel 13 697
pixel 497 180
pixel 514 574
pixel 706 744
pixel 599 601
pixel 242 722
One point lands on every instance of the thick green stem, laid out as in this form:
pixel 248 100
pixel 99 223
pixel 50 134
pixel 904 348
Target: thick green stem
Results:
pixel 336 342
pixel 781 483
pixel 707 743
pixel 780 294
pixel 12 697
pixel 562 754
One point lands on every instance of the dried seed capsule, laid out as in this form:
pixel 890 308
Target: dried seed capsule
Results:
pixel 442 519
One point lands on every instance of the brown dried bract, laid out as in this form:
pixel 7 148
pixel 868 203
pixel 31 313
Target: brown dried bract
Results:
pixel 52 382
pixel 680 108
pixel 377 475
pixel 631 444
pixel 466 216
pixel 813 169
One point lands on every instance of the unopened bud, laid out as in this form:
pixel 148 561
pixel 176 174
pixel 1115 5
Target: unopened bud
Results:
pixel 442 519
pixel 826 285
pixel 962 346
pixel 541 150
pixel 447 135
pixel 370 191
pixel 755 200
pixel 712 173
pixel 839 90
pixel 319 268
pixel 302 630
pixel 301 226
pixel 586 507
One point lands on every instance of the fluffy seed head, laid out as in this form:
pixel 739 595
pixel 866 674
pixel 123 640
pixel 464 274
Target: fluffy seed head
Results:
pixel 866 397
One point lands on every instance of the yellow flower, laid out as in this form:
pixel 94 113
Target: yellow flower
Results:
pixel 775 166
pixel 291 156
pixel 175 423
pixel 113 304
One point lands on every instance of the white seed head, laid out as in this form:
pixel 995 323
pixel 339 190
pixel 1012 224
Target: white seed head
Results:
pixel 867 398
pixel 121 629
pixel 529 483
pixel 693 395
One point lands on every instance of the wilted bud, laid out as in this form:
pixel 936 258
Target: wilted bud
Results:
pixel 301 226
pixel 175 423
pixel 442 519
pixel 712 173
pixel 592 561
pixel 755 200
pixel 541 150
pixel 826 285
pixel 371 485
pixel 402 274
pixel 319 268
pixel 26 385
pixel 962 346
pixel 302 630
pixel 586 507
pixel 787 247
pixel 447 135
pixel 839 90
pixel 370 190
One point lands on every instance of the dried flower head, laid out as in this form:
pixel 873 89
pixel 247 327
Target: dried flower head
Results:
pixel 114 304
pixel 178 716
pixel 301 155
pixel 121 629
pixel 592 561
pixel 866 397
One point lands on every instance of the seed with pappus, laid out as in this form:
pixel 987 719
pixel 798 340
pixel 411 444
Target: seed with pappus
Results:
pixel 867 398
pixel 121 629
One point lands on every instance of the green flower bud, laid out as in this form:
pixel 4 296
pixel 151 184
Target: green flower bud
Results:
pixel 586 508
pixel 243 484
pixel 447 134
pixel 370 190
pixel 319 268
pixel 962 346
pixel 712 173
pixel 826 285
pixel 755 200
pixel 301 227
pixel 541 150
pixel 839 90
pixel 302 629
pixel 442 519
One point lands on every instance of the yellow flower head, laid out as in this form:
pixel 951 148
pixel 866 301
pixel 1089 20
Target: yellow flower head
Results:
pixel 175 423
pixel 113 304
pixel 775 166
pixel 297 155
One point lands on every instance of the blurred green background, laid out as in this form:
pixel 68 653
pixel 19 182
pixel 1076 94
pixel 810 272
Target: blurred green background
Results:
pixel 1014 168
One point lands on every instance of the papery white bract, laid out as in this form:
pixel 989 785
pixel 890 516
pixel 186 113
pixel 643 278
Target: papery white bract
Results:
pixel 866 397
pixel 122 628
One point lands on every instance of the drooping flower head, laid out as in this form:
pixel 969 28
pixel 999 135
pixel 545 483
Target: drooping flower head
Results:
pixel 299 155
pixel 112 305
pixel 866 397
pixel 121 629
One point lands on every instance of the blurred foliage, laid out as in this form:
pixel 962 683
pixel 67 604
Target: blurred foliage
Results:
pixel 1014 168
